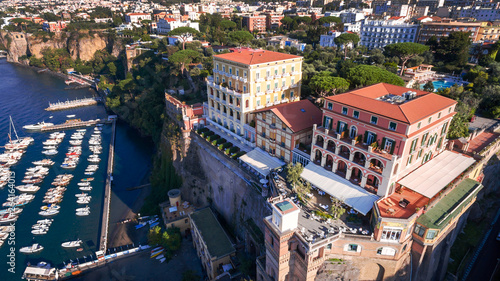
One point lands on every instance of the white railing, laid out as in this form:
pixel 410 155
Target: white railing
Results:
pixel 259 107
pixel 269 91
pixel 259 80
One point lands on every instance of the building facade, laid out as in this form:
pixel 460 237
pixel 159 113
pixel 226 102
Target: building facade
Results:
pixel 247 80
pixel 164 26
pixel 137 17
pixel 255 23
pixel 380 33
pixel 375 135
pixel 445 27
pixel 281 128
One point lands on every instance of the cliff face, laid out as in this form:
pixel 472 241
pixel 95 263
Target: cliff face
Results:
pixel 81 46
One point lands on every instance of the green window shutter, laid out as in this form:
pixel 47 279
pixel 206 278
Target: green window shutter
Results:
pixel 374 137
pixel 338 127
pixel 365 138
pixel 440 142
pixel 345 128
pixel 330 125
pixel 424 137
pixel 383 143
pixel 392 147
pixel 413 144
pixel 324 122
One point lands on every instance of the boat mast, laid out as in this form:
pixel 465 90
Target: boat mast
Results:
pixel 12 124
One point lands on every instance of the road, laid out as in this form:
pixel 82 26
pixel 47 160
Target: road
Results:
pixel 485 264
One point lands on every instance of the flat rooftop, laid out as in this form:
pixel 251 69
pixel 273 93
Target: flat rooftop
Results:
pixel 482 123
pixel 389 207
pixel 450 205
pixel 438 172
pixel 173 213
pixel 481 141
pixel 214 236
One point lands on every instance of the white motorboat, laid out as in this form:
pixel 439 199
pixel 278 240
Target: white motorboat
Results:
pixel 83 201
pixel 49 147
pixel 14 211
pixel 39 231
pixel 7 218
pixel 83 213
pixel 76 137
pixel 81 130
pixel 28 188
pixel 50 142
pixel 84 209
pixel 38 126
pixel 86 188
pixel 75 142
pixel 50 152
pixel 83 183
pixel 89 173
pixel 82 195
pixel 35 248
pixel 68 165
pixel 47 213
pixel 40 226
pixel 45 221
pixel 72 244
pixel 51 207
pixel 70 116
pixel 94 159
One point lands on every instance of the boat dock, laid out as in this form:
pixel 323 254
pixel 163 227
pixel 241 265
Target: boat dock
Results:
pixel 103 240
pixel 73 125
pixel 72 104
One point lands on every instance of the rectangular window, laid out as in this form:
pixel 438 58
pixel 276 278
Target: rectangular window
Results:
pixel 392 126
pixel 344 110
pixel 424 138
pixel 237 72
pixel 224 68
pixel 276 71
pixel 374 120
pixel 230 70
pixel 276 84
pixel 330 106
pixel 283 70
pixel 355 114
pixel 291 94
pixel 409 160
pixel 419 230
pixel 445 126
pixel 283 83
pixel 439 115
pixel 268 87
pixel 258 89
pixel 257 76
pixel 293 80
pixel 419 124
pixel 293 68
pixel 420 153
pixel 352 248
pixel 431 234
pixel 430 119
pixel 413 145
pixel 391 234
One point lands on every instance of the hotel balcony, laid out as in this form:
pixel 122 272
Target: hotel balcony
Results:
pixel 270 77
pixel 269 91
pixel 260 93
pixel 242 79
pixel 259 80
pixel 295 73
pixel 259 107
pixel 286 75
pixel 293 85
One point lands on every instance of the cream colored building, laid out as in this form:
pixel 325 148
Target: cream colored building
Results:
pixel 247 80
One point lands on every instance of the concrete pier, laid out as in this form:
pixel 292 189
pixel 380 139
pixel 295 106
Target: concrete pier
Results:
pixel 103 240
pixel 73 125
pixel 71 104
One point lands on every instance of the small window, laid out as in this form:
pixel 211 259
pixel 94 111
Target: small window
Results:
pixel 439 115
pixel 258 89
pixel 237 72
pixel 355 114
pixel 419 124
pixel 344 110
pixel 186 221
pixel 352 248
pixel 431 234
pixel 291 94
pixel 419 230
pixel 293 68
pixel 392 126
pixel 330 106
pixel 409 160
pixel 449 110
pixel 430 119
pixel 374 120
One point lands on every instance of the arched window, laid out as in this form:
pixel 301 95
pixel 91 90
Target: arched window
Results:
pixel 247 103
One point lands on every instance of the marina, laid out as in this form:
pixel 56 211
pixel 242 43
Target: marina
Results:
pixel 74 124
pixel 72 104
pixel 107 192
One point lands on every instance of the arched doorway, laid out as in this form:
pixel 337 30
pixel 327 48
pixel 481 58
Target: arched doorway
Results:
pixel 376 165
pixel 353 132
pixel 331 146
pixel 359 158
pixel 372 183
pixel 318 156
pixel 344 152
pixel 356 175
pixel 341 168
pixel 329 162
pixel 319 141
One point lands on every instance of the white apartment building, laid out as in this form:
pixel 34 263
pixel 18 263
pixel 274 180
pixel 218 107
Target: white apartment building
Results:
pixel 348 16
pixel 164 26
pixel 353 27
pixel 328 40
pixel 247 80
pixel 477 12
pixel 379 33
pixel 136 17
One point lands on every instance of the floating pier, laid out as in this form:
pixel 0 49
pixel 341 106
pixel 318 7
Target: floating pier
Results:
pixel 73 124
pixel 72 104
pixel 103 241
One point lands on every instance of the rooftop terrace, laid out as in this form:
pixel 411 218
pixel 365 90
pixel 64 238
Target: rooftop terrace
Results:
pixel 214 236
pixel 450 205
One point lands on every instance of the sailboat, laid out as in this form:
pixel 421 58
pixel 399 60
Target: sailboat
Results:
pixel 18 142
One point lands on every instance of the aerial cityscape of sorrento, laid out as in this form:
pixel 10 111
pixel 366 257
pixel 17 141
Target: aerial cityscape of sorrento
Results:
pixel 202 140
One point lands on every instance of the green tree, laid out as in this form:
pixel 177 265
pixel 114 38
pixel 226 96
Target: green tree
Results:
pixel 329 19
pixel 345 39
pixel 183 57
pixel 337 209
pixel 324 83
pixel 227 24
pixel 365 75
pixel 184 34
pixel 405 51
pixel 241 37
pixel 112 68
pixel 429 86
pixel 287 22
pixel 293 173
pixel 454 48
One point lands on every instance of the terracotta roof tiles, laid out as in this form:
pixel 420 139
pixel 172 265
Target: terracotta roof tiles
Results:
pixel 411 111
pixel 251 57
pixel 297 115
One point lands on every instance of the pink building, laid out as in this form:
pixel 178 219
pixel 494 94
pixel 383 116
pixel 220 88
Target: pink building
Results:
pixel 189 116
pixel 54 26
pixel 375 135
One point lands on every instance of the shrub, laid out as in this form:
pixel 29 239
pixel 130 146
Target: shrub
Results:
pixel 238 155
pixel 221 141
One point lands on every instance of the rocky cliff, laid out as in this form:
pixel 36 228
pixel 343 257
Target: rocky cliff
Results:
pixel 79 45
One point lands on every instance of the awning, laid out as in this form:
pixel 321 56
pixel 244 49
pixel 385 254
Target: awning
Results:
pixel 261 161
pixel 434 175
pixel 359 199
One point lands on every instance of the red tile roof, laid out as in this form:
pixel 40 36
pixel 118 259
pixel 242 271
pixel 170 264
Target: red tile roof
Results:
pixel 251 57
pixel 411 111
pixel 297 115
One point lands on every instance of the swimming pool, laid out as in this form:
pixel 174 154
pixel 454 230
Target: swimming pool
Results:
pixel 441 84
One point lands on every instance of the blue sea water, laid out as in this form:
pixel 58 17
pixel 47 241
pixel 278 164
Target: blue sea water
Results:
pixel 24 94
